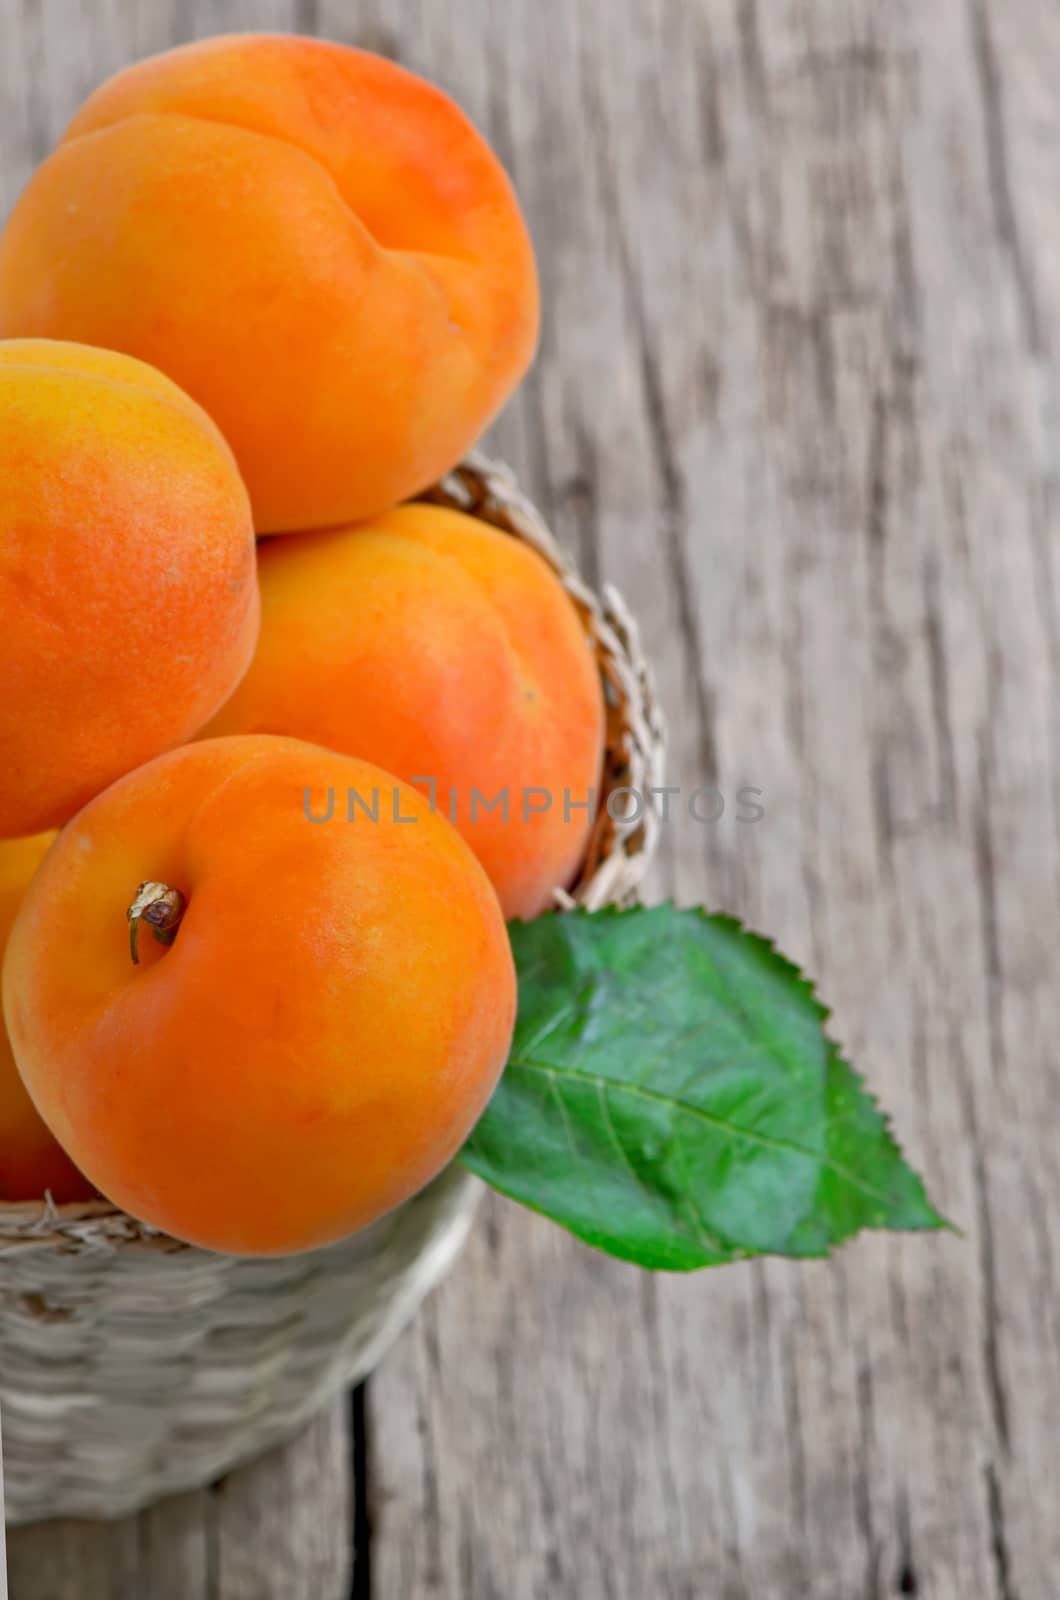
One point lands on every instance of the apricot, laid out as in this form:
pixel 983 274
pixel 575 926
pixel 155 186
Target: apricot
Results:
pixel 128 598
pixel 31 1162
pixel 317 245
pixel 320 1026
pixel 447 652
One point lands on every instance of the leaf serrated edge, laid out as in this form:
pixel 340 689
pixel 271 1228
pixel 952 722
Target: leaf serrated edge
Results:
pixel 939 1221
pixel 788 969
pixel 724 919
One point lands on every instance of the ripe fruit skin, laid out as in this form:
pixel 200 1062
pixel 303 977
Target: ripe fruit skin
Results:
pixel 317 245
pixel 31 1162
pixel 323 1032
pixel 438 647
pixel 128 597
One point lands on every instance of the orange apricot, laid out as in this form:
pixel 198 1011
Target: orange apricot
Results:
pixel 316 1031
pixel 448 652
pixel 31 1162
pixel 128 597
pixel 316 244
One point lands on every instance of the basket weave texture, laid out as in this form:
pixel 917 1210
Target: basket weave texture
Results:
pixel 132 1365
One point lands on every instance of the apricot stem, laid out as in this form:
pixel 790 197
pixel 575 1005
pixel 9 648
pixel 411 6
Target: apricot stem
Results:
pixel 161 907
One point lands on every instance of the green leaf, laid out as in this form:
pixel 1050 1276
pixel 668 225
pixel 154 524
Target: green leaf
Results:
pixel 672 1097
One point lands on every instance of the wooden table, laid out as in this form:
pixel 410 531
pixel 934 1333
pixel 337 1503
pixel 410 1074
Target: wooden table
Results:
pixel 797 397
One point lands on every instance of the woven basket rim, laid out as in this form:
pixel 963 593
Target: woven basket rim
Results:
pixel 620 846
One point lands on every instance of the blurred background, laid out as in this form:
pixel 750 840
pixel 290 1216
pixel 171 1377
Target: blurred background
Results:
pixel 796 399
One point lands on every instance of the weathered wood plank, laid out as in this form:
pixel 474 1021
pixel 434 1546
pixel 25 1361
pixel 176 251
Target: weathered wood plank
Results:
pixel 797 397
pixel 279 1527
pixel 284 1524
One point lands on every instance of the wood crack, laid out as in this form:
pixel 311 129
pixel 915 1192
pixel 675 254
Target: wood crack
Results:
pixel 938 670
pixel 999 1544
pixel 673 510
pixel 877 507
pixel 361 1447
pixel 906 1580
pixel 990 1308
pixel 862 1487
pixel 1005 218
pixel 996 1388
pixel 751 54
pixel 986 892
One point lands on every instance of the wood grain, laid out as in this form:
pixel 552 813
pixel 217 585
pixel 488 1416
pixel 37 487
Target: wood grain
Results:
pixel 797 397
pixel 280 1527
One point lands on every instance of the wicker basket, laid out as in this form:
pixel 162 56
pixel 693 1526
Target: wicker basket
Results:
pixel 133 1366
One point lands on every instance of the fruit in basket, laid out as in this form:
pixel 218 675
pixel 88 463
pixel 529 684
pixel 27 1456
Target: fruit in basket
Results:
pixel 318 1011
pixel 448 652
pixel 31 1162
pixel 128 598
pixel 313 242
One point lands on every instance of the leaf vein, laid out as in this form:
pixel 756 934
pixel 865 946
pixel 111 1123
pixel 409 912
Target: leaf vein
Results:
pixel 722 1124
